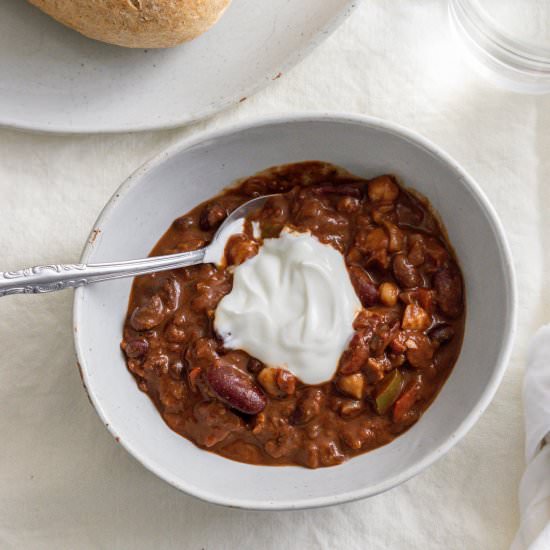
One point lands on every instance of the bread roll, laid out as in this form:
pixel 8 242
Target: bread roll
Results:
pixel 136 23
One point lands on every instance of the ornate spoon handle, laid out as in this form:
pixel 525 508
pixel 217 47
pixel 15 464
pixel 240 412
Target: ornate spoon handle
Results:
pixel 49 278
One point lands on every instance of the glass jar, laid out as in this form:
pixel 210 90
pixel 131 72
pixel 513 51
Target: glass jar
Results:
pixel 507 40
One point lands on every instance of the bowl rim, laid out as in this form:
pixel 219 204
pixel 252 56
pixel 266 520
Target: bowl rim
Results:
pixel 473 416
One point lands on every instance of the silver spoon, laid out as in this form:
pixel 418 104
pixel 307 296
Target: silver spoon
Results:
pixel 49 278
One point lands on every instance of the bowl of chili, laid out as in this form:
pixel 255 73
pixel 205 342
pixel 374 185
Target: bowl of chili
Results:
pixel 192 172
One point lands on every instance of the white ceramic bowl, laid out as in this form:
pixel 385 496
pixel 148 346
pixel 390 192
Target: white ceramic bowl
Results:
pixel 190 172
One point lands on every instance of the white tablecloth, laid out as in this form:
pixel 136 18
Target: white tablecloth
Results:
pixel 65 483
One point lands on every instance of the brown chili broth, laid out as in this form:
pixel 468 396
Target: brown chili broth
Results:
pixel 171 370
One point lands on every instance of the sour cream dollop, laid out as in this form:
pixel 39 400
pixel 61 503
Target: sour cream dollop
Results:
pixel 292 306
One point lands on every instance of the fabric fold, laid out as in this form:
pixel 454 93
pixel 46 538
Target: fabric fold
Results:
pixel 534 490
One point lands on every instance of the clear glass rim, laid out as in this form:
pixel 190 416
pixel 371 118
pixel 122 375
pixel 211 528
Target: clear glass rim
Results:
pixel 487 34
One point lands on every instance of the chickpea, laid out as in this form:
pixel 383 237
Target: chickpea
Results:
pixel 389 293
pixel 383 189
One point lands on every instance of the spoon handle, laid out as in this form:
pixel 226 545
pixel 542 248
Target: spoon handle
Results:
pixel 49 278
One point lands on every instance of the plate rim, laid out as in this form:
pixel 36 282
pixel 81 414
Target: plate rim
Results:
pixel 214 108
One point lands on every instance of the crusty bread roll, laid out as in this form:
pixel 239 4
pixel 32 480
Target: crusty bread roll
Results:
pixel 136 23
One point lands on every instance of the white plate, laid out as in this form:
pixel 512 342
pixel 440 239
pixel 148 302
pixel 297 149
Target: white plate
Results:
pixel 55 80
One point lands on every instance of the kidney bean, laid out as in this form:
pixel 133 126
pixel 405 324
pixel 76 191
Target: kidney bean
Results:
pixel 448 288
pixel 236 389
pixel 406 274
pixel 441 333
pixel 148 315
pixel 135 348
pixel 366 290
pixel 212 216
